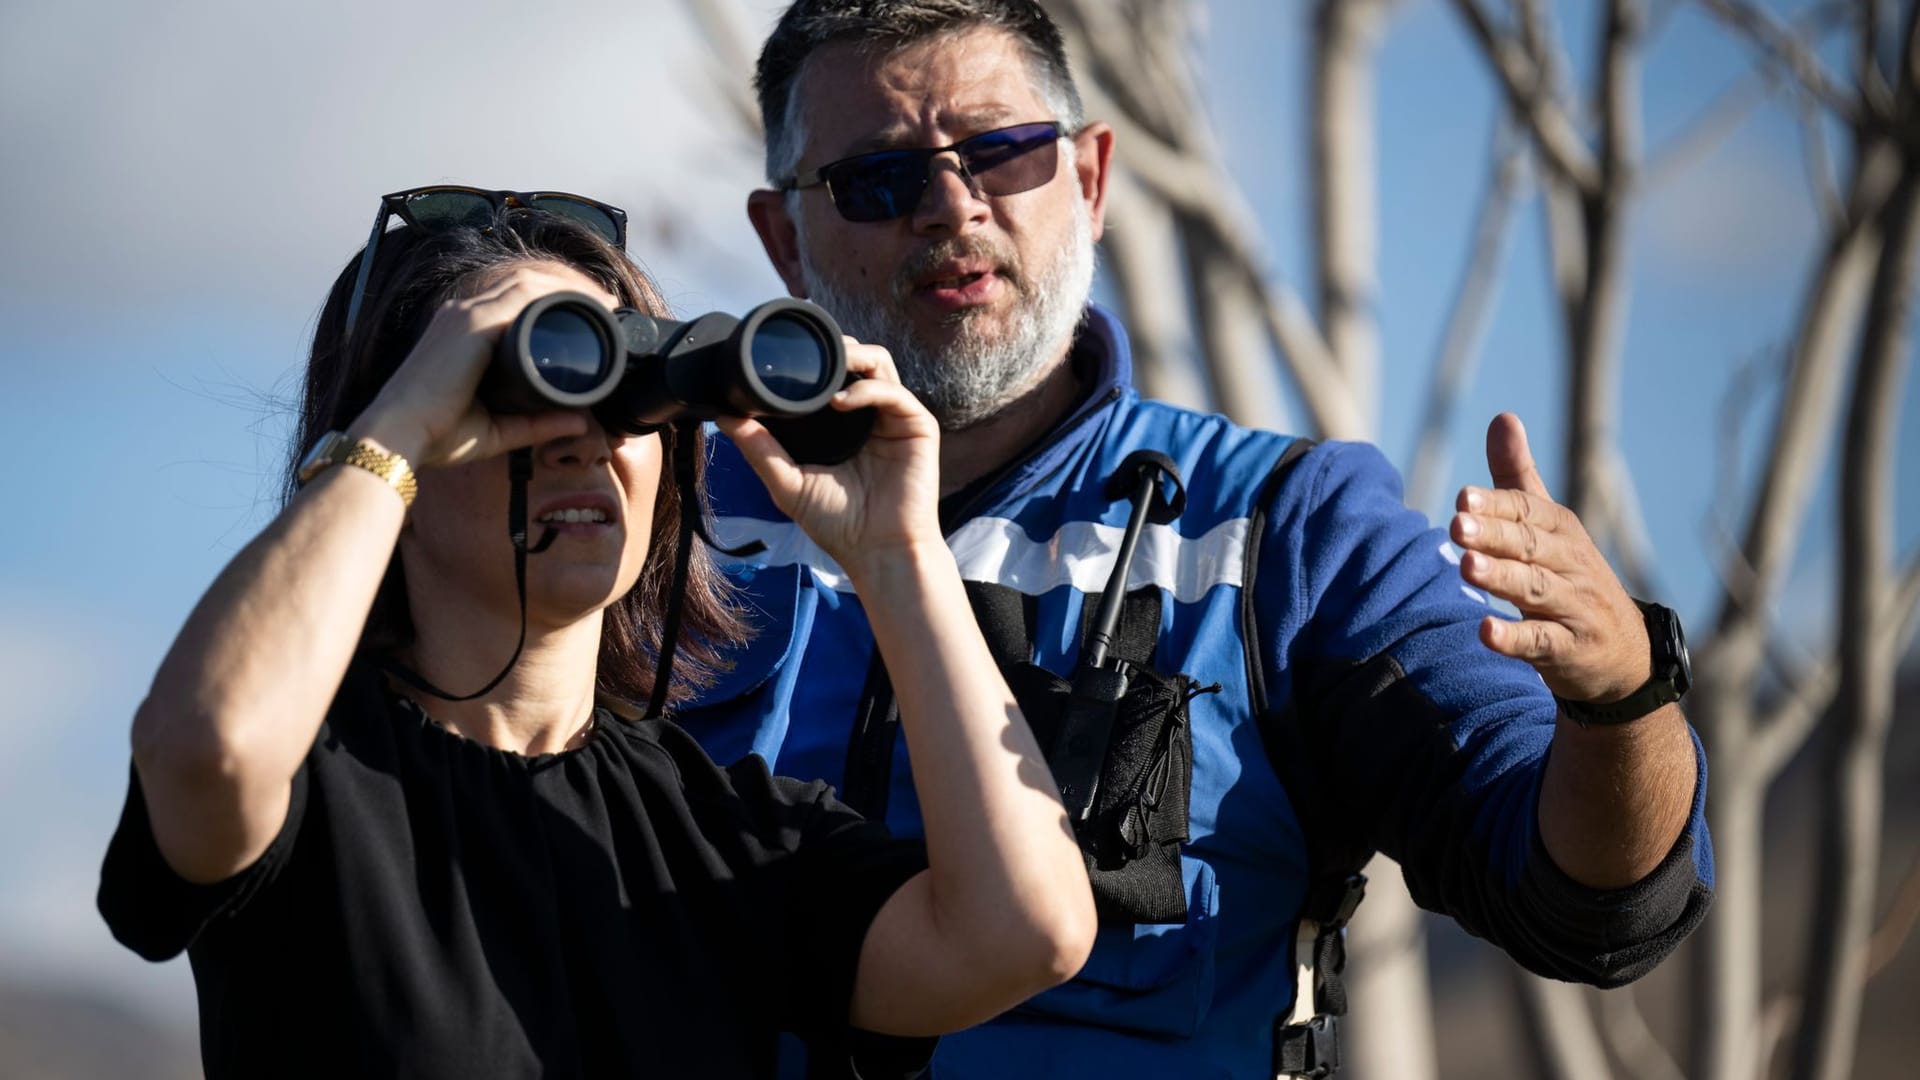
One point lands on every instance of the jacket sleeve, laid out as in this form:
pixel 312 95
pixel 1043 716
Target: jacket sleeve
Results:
pixel 1400 732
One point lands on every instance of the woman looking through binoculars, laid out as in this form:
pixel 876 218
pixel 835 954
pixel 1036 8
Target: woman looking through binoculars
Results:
pixel 372 878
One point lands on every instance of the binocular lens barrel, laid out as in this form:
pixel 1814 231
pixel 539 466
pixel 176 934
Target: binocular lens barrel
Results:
pixel 782 361
pixel 569 351
pixel 790 358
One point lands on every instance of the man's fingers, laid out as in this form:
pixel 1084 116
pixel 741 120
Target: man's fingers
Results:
pixel 871 361
pixel 1532 588
pixel 1514 505
pixel 1525 540
pixel 1510 460
pixel 1536 641
pixel 763 452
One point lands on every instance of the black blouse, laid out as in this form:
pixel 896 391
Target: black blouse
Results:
pixel 437 907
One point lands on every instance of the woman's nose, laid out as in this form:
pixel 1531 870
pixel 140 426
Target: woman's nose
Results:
pixel 593 446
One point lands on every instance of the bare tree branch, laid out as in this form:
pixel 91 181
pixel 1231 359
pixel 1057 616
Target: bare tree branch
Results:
pixel 1625 1029
pixel 1820 177
pixel 1227 316
pixel 1896 927
pixel 720 24
pixel 1853 804
pixel 1781 732
pixel 1875 90
pixel 1195 187
pixel 1736 101
pixel 1459 347
pixel 1529 95
pixel 1141 242
pixel 1632 544
pixel 1905 606
pixel 1797 444
pixel 1903 914
pixel 1704 133
pixel 1346 38
pixel 1561 1021
pixel 1136 58
pixel 1782 46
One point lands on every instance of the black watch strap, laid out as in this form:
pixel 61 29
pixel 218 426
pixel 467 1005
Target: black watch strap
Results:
pixel 1672 675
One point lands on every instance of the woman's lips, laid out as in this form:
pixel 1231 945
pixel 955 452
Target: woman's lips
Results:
pixel 577 516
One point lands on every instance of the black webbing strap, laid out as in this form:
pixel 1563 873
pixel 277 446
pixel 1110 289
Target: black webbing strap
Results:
pixel 686 479
pixel 1306 1041
pixel 519 472
pixel 866 780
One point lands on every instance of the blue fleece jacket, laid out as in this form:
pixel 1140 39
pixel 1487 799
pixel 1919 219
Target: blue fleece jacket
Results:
pixel 1329 613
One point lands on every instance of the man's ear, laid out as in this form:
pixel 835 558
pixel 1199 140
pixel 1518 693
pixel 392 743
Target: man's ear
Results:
pixel 767 209
pixel 1092 159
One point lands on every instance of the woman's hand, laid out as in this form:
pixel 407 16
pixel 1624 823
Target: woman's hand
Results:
pixel 885 499
pixel 427 412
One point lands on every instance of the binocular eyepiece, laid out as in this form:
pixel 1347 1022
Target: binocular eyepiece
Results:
pixel 780 363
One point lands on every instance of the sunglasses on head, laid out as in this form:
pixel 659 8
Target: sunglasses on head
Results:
pixel 450 206
pixel 888 184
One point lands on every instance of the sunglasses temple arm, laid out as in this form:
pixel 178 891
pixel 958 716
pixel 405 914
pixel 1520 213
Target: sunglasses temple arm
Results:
pixel 366 268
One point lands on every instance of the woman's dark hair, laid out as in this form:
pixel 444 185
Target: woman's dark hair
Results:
pixel 414 271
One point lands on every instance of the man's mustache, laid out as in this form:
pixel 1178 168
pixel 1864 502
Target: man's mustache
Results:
pixel 927 260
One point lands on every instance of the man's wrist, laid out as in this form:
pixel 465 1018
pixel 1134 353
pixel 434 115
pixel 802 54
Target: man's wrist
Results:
pixel 1669 675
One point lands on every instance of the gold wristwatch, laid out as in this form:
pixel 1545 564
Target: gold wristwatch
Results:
pixel 335 448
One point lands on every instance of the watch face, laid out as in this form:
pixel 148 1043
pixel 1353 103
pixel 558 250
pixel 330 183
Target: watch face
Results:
pixel 1669 644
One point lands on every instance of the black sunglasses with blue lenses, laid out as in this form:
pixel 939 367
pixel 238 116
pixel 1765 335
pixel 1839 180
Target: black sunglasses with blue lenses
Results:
pixel 888 184
pixel 450 206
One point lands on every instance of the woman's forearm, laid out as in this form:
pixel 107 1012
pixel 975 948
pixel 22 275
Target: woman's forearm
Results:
pixel 1006 891
pixel 241 694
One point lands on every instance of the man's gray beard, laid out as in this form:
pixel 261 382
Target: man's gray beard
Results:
pixel 970 377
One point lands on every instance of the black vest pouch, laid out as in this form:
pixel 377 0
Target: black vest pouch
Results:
pixel 1132 820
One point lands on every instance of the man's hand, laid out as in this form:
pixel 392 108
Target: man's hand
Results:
pixel 1580 630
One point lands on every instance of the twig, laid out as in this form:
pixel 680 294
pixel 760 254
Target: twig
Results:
pixel 1620 91
pixel 1194 186
pixel 1780 44
pixel 1782 1011
pixel 1705 131
pixel 1875 90
pixel 1529 94
pixel 1820 179
pixel 720 25
pixel 1781 732
pixel 1632 542
pixel 1903 914
pixel 1458 353
pixel 1624 1027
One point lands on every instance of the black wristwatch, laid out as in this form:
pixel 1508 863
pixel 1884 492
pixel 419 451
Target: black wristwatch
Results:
pixel 1672 675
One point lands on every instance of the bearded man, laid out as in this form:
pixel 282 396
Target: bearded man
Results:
pixel 1302 672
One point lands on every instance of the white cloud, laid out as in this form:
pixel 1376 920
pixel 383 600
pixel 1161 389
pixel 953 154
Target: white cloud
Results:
pixel 186 153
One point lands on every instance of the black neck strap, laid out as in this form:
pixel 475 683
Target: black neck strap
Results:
pixel 685 437
pixel 519 472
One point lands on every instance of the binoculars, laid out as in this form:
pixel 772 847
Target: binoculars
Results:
pixel 780 363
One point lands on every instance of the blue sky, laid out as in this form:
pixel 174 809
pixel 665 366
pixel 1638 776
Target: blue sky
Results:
pixel 187 179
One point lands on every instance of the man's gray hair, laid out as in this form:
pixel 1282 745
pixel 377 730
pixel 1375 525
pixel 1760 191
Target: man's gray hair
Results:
pixel 884 26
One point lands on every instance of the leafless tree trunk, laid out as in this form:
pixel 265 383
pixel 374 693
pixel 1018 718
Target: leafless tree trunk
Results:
pixel 1750 749
pixel 1854 786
